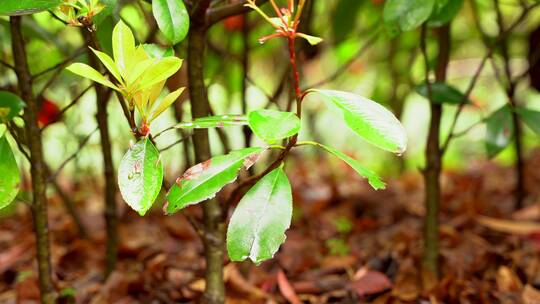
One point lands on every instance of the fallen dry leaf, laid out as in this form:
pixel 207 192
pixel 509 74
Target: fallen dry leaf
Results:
pixel 286 289
pixel 509 226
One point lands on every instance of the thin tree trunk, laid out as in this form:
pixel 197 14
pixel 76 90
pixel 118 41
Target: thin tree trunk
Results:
pixel 111 220
pixel 433 168
pixel 37 168
pixel 214 227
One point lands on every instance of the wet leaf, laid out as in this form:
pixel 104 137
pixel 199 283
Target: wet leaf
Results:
pixel 258 224
pixel 140 176
pixel 204 180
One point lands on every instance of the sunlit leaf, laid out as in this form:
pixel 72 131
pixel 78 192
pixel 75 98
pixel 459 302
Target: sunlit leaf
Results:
pixel 271 125
pixel 89 72
pixel 160 70
pixel 531 118
pixel 442 93
pixel 24 7
pixel 140 175
pixel 499 130
pixel 166 102
pixel 10 106
pixel 217 121
pixel 409 14
pixel 9 174
pixel 156 51
pixel 204 180
pixel 172 19
pixel 373 179
pixel 108 62
pixel 370 120
pixel 313 40
pixel 123 44
pixel 258 224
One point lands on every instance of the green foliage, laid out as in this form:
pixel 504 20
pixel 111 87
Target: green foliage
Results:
pixel 337 246
pixel 407 15
pixel 271 125
pixel 172 19
pixel 140 77
pixel 218 121
pixel 370 120
pixel 499 129
pixel 9 176
pixel 24 7
pixel 10 106
pixel 204 180
pixel 373 179
pixel 531 118
pixel 140 175
pixel 444 12
pixel 257 227
pixel 442 93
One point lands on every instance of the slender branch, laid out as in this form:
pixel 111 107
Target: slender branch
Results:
pixel 7 65
pixel 73 156
pixel 174 144
pixel 503 35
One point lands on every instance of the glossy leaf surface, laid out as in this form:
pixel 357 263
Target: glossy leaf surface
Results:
pixel 140 176
pixel 258 224
pixel 172 19
pixel 373 122
pixel 204 180
pixel 271 125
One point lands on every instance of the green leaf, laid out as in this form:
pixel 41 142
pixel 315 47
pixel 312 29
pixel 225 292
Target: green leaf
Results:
pixel 408 14
pixel 313 40
pixel 531 118
pixel 9 174
pixel 159 71
pixel 24 7
pixel 442 93
pixel 123 44
pixel 373 179
pixel 140 175
pixel 204 180
pixel 172 19
pixel 156 51
pixel 499 129
pixel 110 6
pixel 258 224
pixel 444 12
pixel 108 62
pixel 89 72
pixel 271 125
pixel 218 121
pixel 165 103
pixel 370 120
pixel 10 106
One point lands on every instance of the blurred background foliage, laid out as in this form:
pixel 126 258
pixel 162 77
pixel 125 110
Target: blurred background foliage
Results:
pixel 365 57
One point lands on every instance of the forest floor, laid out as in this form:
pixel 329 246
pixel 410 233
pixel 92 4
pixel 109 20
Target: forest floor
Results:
pixel 347 244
